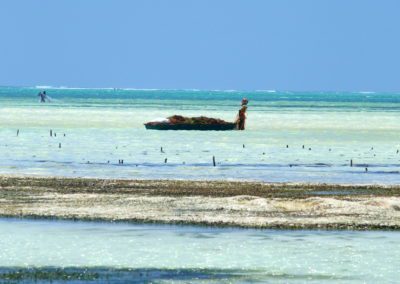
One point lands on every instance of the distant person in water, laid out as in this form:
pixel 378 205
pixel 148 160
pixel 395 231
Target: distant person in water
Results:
pixel 42 96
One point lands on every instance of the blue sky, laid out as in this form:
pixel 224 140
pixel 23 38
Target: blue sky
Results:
pixel 351 45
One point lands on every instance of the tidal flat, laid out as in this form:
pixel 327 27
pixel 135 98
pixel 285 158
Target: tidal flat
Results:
pixel 211 203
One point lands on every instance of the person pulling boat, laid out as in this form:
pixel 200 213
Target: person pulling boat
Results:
pixel 241 118
pixel 179 122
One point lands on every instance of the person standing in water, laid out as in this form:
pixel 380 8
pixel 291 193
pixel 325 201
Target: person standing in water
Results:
pixel 241 119
pixel 42 96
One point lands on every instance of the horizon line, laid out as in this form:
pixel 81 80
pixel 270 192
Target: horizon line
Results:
pixel 192 89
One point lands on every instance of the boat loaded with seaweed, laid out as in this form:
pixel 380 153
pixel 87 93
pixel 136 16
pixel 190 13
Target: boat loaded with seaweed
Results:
pixel 178 122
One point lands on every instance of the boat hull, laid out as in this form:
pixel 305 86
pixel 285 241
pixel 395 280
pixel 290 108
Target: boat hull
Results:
pixel 184 126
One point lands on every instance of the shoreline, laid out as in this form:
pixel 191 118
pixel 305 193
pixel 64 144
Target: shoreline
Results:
pixel 206 203
pixel 331 227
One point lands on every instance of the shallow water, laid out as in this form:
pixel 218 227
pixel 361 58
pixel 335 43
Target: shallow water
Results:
pixel 102 126
pixel 195 254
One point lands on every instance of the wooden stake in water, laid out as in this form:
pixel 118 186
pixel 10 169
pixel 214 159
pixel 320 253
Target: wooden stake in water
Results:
pixel 59 145
pixel 51 133
pixel 351 162
pixel 165 161
pixel 214 161
pixel 17 132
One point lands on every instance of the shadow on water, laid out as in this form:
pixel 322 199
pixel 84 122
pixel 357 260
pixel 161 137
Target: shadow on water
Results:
pixel 140 275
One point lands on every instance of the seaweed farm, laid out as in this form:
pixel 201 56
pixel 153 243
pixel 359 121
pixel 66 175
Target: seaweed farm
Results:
pixel 319 160
pixel 289 136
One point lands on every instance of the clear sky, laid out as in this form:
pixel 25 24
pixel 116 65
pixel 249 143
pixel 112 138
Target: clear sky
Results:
pixel 204 44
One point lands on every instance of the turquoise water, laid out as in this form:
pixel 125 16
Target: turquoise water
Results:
pixel 102 126
pixel 185 254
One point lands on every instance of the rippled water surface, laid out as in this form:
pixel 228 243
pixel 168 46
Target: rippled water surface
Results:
pixel 300 137
pixel 97 251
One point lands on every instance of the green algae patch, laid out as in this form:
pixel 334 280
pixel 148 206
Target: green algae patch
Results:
pixel 48 274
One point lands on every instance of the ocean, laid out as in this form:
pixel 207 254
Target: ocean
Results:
pixel 289 137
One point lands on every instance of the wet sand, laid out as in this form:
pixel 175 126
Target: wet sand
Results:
pixel 213 203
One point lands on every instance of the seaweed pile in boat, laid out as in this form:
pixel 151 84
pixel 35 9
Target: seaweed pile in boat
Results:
pixel 178 119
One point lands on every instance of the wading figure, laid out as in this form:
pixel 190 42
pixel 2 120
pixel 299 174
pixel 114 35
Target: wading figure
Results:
pixel 42 96
pixel 241 118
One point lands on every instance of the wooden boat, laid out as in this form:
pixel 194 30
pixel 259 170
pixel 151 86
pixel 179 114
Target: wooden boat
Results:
pixel 184 126
pixel 203 123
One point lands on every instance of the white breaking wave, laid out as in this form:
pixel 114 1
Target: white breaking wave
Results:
pixel 367 92
pixel 44 87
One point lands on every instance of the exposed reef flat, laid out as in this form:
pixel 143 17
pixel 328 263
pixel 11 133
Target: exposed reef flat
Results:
pixel 214 203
